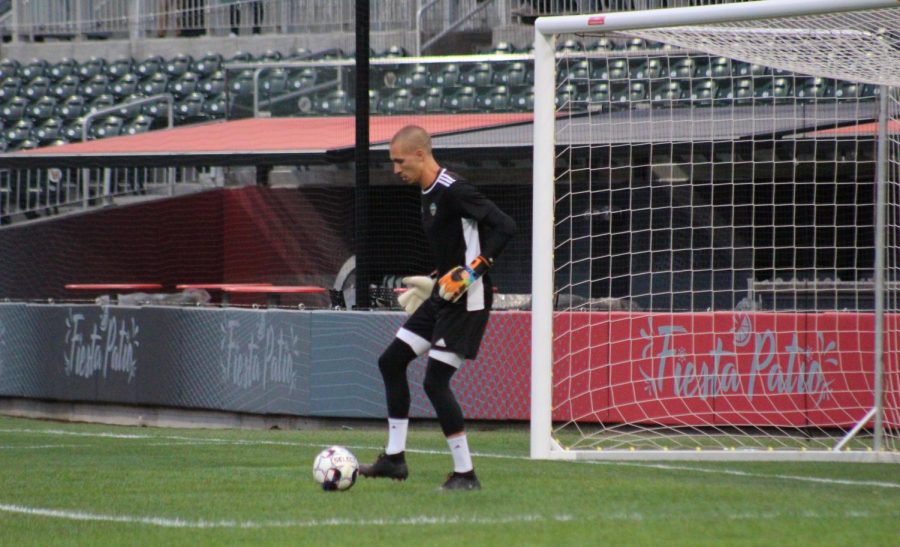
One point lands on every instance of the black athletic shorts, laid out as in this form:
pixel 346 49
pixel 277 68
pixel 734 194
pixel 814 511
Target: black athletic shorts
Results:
pixel 449 326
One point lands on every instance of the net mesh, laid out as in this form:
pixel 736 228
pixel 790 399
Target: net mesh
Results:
pixel 716 241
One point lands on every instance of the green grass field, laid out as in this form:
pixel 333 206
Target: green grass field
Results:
pixel 90 484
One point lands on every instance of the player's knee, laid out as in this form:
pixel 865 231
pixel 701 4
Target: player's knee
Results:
pixel 395 358
pixel 437 379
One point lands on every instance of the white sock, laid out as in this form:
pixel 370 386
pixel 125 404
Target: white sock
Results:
pixel 459 448
pixel 396 435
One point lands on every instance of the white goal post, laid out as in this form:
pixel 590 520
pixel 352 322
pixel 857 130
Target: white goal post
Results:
pixel 716 233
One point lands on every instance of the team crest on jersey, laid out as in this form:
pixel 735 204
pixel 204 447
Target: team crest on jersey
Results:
pixel 432 209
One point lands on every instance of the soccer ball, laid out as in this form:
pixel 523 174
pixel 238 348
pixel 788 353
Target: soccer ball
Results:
pixel 335 468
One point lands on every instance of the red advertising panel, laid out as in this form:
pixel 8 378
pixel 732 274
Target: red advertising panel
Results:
pixel 581 367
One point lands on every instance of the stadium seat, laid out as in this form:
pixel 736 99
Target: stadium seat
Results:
pixel 49 130
pixel 72 129
pixel 702 92
pixel 149 67
pixel 33 69
pixel 415 77
pixel 90 68
pixel 184 85
pixel 156 109
pixel 241 57
pixel 523 101
pixel 269 56
pixel 394 51
pixel 14 109
pixel 502 48
pixel 870 91
pixel 636 44
pixel 300 53
pixel 601 45
pixel 190 108
pixel 771 89
pixel 64 67
pixel 645 69
pixel 431 101
pixel 178 65
pixel 336 102
pixel 617 70
pixel 155 85
pixel 140 124
pixel 27 144
pixel 42 108
pixel 741 68
pixel 110 126
pixel 461 100
pixel 273 82
pixel 118 68
pixel 215 106
pixel 71 107
pixel 447 75
pixel 131 111
pixel 814 89
pixel 569 46
pixel 400 101
pixel 65 87
pixel 496 99
pixel 599 96
pixel 682 68
pixel 566 97
pixel 99 103
pixel 96 86
pixel 741 92
pixel 302 79
pixel 242 85
pixel 36 88
pixel 207 65
pixel 19 131
pixel 478 75
pixel 577 73
pixel 513 74
pixel 126 85
pixel 10 88
pixel 8 68
pixel 724 94
pixel 719 67
pixel 667 93
pixel 214 84
pixel 374 99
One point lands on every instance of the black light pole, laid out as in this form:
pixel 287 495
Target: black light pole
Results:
pixel 363 263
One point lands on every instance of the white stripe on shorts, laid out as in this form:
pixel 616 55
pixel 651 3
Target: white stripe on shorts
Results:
pixel 418 344
pixel 447 357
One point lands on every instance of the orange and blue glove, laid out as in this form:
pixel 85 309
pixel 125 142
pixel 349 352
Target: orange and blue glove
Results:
pixel 457 281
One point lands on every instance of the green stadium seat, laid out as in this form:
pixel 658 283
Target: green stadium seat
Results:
pixel 719 67
pixel 447 75
pixel 155 85
pixel 270 56
pixel 478 75
pixel 394 51
pixel 19 131
pixel 241 57
pixel 49 130
pixel 126 85
pixel 741 68
pixel 668 93
pixel 523 101
pixel 71 107
pixel 140 124
pixel 36 88
pixel 333 103
pixel 156 109
pixel 431 102
pixel 118 68
pixel 72 129
pixel 131 111
pixel 636 44
pixel 207 65
pixel 242 85
pixel 645 69
pixel 10 88
pixel 682 68
pixel 602 45
pixel 302 79
pixel 566 96
pixel 184 85
pixel 33 69
pixel 65 87
pixel 497 99
pixel 569 46
pixel 178 65
pixel 214 84
pixel 814 89
pixel 400 101
pixel 13 110
pixel 42 109
pixel 374 99
pixel 103 101
pixel 215 106
pixel 273 83
pixel 617 70
pixel 513 74
pixel 190 108
pixel 8 68
pixel 461 100
pixel 300 53
pixel 149 67
pixel 27 144
pixel 415 77
pixel 769 89
pixel 502 48
pixel 599 95
pixel 90 68
pixel 96 86
pixel 64 67
pixel 110 126
pixel 702 92
pixel 870 91
pixel 741 92
pixel 577 73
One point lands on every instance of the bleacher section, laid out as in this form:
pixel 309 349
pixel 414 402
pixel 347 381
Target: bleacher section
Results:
pixel 44 103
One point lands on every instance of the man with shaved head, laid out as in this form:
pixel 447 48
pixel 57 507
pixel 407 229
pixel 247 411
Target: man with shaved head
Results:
pixel 466 232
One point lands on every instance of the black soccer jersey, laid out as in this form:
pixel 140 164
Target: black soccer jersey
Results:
pixel 461 224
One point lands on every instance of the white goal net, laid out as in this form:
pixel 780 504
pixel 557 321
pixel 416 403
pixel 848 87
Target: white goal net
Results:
pixel 717 214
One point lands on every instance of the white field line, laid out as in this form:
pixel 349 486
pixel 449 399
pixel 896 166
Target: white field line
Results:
pixel 660 466
pixel 419 520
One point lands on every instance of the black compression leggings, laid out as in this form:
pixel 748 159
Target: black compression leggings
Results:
pixel 393 363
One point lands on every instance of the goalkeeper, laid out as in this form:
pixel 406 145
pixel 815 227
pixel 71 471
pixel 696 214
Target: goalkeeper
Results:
pixel 449 312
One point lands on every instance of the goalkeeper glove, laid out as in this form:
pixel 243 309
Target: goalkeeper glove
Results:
pixel 418 290
pixel 457 281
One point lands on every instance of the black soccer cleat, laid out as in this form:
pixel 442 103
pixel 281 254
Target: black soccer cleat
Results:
pixel 461 481
pixel 391 466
